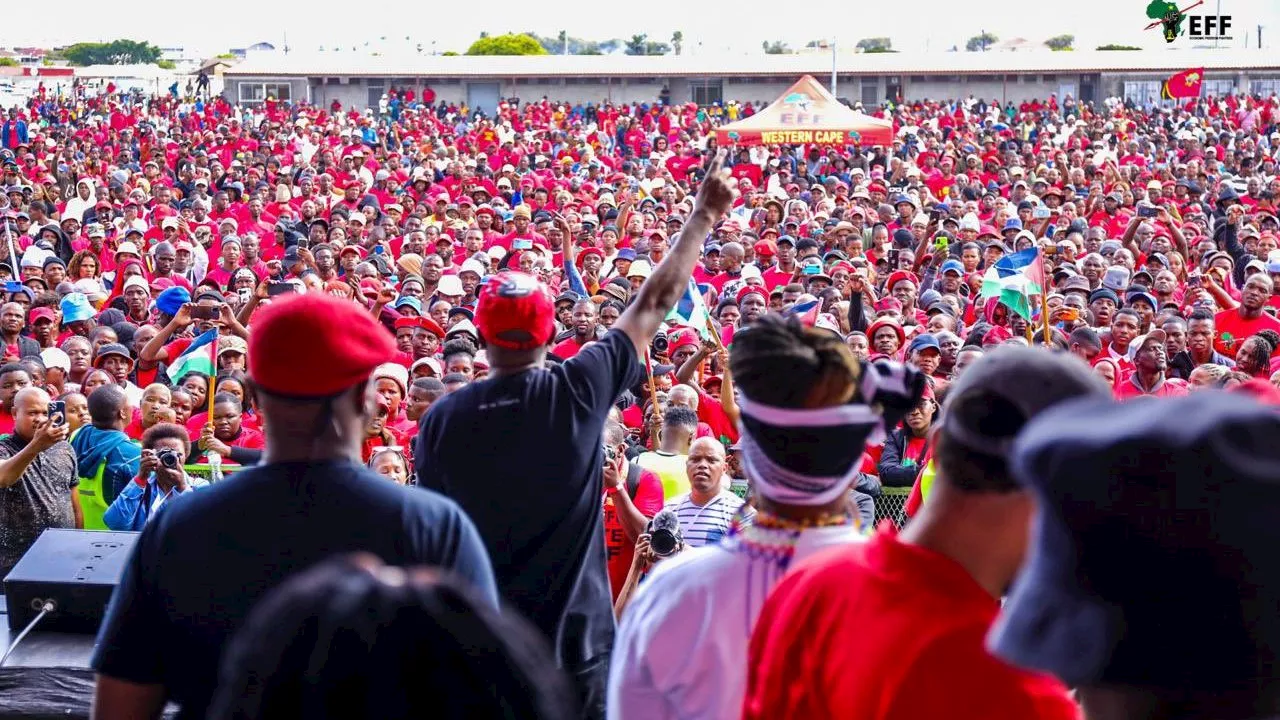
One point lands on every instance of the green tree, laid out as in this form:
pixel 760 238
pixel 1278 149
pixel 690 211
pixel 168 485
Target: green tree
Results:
pixel 875 44
pixel 449 53
pixel 116 52
pixel 225 56
pixel 637 44
pixel 8 62
pixel 777 47
pixel 1113 46
pixel 509 44
pixel 981 42
pixel 677 41
pixel 166 65
pixel 1061 42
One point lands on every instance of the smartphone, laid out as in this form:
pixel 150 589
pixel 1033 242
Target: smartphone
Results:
pixel 1069 314
pixel 522 245
pixel 57 412
pixel 1193 280
pixel 893 258
pixel 1041 212
pixel 13 286
pixel 941 244
pixel 812 269
pixel 279 288
pixel 1147 211
pixel 206 312
pixel 1051 250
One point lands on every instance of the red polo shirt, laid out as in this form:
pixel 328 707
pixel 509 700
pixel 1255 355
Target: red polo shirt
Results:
pixel 887 631
pixel 1233 329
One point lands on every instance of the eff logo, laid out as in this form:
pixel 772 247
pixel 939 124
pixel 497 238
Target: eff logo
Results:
pixel 1175 22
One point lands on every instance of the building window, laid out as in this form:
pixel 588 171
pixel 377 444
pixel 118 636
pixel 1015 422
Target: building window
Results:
pixel 1218 88
pixel 870 92
pixel 1142 92
pixel 253 93
pixel 706 91
pixel 1264 88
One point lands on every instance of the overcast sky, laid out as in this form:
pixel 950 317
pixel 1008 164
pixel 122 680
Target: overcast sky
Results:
pixel 707 27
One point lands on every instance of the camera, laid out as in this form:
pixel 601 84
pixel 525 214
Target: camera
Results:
pixel 664 534
pixel 169 458
pixel 659 345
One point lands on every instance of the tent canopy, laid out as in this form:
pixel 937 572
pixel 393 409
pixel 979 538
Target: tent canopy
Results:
pixel 807 114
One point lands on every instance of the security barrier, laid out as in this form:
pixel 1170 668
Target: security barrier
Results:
pixel 892 505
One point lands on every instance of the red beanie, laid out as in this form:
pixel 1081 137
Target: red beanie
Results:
pixel 315 345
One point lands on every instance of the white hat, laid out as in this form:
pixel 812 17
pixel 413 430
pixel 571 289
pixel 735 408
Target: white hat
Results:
pixel 640 268
pixel 497 252
pixel 450 285
pixel 127 247
pixel 970 222
pixel 748 272
pixel 136 281
pixel 34 256
pixel 169 222
pixel 430 362
pixel 55 358
pixel 473 266
pixel 393 371
pixel 463 326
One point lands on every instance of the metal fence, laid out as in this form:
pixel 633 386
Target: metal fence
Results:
pixel 892 504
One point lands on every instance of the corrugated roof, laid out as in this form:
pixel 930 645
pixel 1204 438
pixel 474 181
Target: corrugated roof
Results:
pixel 340 64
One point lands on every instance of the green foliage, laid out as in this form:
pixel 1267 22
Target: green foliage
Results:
pixel 509 44
pixel 1114 46
pixel 8 62
pixel 875 44
pixel 166 65
pixel 776 47
pixel 449 53
pixel 677 41
pixel 642 45
pixel 981 42
pixel 116 52
pixel 225 56
pixel 577 46
pixel 1061 42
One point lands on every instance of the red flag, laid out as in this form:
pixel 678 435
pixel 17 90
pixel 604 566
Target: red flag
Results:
pixel 1185 84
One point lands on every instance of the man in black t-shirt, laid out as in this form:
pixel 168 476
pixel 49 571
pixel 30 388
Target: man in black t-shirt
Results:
pixel 199 566
pixel 521 450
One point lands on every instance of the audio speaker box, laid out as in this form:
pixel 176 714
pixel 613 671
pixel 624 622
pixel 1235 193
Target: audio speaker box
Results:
pixel 76 569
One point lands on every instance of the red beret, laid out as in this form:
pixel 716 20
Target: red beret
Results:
pixel 682 337
pixel 425 322
pixel 295 351
pixel 765 248
pixel 897 277
pixel 583 253
pixel 749 289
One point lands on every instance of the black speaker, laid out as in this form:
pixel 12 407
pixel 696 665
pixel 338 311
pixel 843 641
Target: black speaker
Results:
pixel 76 569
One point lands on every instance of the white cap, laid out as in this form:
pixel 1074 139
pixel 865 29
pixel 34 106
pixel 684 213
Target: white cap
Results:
pixel 136 281
pixel 128 247
pixel 749 272
pixel 55 358
pixel 463 326
pixel 640 268
pixel 450 285
pixel 471 265
pixel 970 222
pixel 430 362
pixel 34 257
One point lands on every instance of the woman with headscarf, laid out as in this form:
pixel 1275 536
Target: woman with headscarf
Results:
pixel 808 410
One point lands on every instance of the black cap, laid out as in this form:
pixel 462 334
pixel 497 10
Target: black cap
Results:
pixel 1161 517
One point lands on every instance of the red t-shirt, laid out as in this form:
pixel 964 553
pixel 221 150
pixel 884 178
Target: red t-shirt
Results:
pixel 6 422
pixel 567 348
pixel 618 549
pixel 887 631
pixel 1233 330
pixel 1171 387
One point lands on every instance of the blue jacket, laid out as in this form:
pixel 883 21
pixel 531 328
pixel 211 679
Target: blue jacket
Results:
pixel 135 505
pixel 8 128
pixel 94 446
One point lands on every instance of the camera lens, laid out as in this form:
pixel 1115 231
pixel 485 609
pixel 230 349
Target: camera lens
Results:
pixel 663 542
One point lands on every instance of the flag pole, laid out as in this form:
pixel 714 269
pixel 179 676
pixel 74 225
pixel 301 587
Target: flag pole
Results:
pixel 653 393
pixel 1044 310
pixel 213 382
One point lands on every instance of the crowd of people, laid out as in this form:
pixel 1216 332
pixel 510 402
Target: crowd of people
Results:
pixel 567 411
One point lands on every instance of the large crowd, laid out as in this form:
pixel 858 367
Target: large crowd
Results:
pixel 650 391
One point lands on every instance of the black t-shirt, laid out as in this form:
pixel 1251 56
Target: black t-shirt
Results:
pixel 522 455
pixel 201 564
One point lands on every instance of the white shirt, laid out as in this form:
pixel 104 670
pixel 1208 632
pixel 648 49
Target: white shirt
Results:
pixel 681 648
pixel 706 524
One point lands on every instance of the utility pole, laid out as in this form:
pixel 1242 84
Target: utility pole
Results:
pixel 835 92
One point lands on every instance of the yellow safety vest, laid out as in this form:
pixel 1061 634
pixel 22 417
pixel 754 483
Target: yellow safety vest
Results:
pixel 93 503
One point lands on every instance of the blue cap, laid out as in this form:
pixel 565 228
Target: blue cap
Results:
pixel 625 254
pixel 412 302
pixel 786 239
pixel 76 307
pixel 1012 224
pixel 953 264
pixel 924 342
pixel 1144 296
pixel 170 300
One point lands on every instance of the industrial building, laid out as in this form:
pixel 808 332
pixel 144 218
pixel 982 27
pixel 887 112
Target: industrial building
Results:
pixel 360 80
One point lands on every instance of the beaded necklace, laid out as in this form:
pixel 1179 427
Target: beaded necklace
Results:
pixel 774 539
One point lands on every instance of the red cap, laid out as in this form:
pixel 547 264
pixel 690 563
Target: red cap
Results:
pixel 424 322
pixel 516 312
pixel 898 277
pixel 749 289
pixel 584 252
pixel 42 313
pixel 765 248
pixel 294 352
pixel 683 337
